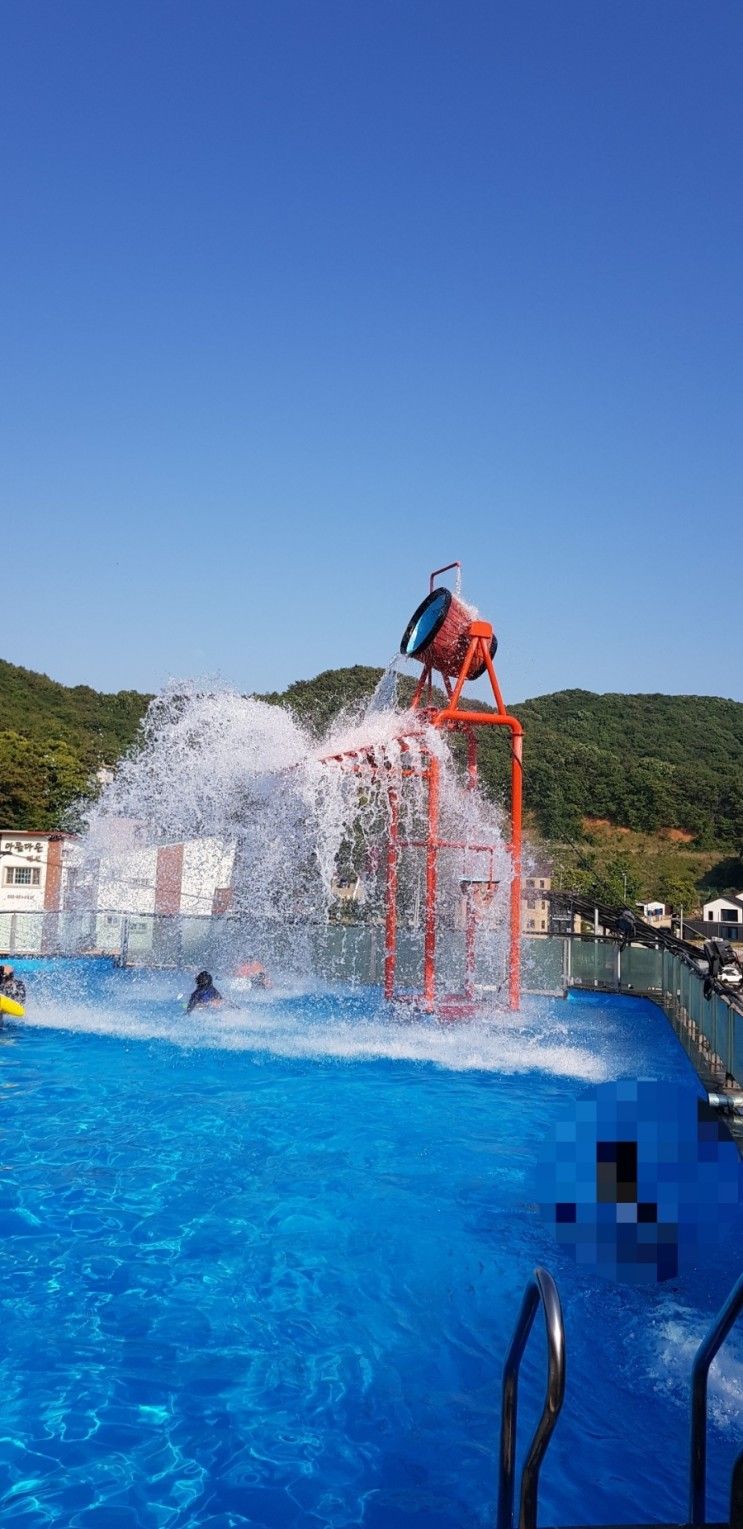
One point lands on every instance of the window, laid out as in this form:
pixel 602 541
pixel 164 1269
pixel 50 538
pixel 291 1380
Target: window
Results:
pixel 711 915
pixel 543 925
pixel 541 883
pixel 530 923
pixel 531 902
pixel 729 914
pixel 22 875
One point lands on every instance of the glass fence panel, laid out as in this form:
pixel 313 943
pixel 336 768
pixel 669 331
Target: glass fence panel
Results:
pixel 722 1031
pixel 696 1005
pixel 594 963
pixel 345 953
pixel 736 1049
pixel 641 969
pixel 543 965
pixel 353 953
pixel 409 968
pixel 492 962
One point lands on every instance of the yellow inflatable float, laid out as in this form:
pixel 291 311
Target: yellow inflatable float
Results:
pixel 9 1006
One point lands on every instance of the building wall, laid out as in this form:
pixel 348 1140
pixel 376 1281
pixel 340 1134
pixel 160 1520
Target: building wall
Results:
pixel 207 866
pixel 29 883
pixel 32 871
pixel 723 910
pixel 168 878
pixel 535 908
pixel 127 883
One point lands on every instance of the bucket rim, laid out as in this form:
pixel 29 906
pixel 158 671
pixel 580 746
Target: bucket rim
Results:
pixel 435 594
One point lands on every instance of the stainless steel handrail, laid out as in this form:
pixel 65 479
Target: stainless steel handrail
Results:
pixel 709 1346
pixel 736 1493
pixel 540 1289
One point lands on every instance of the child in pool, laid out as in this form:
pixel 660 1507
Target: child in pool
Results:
pixel 203 993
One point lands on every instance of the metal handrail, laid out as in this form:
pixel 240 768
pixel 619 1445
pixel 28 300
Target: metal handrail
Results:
pixel 709 1346
pixel 645 934
pixel 736 1493
pixel 540 1289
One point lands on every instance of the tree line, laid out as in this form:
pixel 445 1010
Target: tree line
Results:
pixel 646 762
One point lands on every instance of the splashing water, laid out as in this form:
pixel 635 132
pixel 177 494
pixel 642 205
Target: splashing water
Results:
pixel 292 819
pixel 330 1026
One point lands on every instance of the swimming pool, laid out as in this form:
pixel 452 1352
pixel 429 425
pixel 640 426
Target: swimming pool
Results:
pixel 261 1269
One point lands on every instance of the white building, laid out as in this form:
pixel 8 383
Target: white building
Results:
pixel 725 910
pixel 33 873
pixel 148 884
pixel 653 912
pixel 52 897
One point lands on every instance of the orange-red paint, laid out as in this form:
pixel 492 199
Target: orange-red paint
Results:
pixel 475 657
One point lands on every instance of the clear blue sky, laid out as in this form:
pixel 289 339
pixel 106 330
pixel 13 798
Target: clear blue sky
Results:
pixel 301 299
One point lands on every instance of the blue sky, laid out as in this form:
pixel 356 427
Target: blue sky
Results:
pixel 302 299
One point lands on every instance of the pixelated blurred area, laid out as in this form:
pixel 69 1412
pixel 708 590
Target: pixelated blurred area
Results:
pixel 642 1181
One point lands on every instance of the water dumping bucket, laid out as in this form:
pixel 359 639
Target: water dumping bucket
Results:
pixel 438 633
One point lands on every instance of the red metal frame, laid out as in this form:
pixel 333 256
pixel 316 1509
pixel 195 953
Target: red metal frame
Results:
pixel 452 717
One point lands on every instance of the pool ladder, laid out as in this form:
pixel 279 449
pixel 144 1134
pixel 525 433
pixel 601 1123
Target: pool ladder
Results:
pixel 542 1290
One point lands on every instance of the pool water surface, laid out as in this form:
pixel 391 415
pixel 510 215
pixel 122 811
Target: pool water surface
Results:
pixel 261 1267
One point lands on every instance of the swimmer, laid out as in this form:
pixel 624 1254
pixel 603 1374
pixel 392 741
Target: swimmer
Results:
pixel 256 972
pixel 11 986
pixel 203 993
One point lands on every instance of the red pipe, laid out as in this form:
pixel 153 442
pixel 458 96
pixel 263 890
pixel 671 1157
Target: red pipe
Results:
pixel 437 571
pixel 480 632
pixel 429 945
pixel 390 930
pixel 517 741
pixel 470 945
pixel 472 758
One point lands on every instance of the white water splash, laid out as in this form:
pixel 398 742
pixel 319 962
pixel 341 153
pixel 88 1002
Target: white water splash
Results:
pixel 497 1043
pixel 677 1336
pixel 229 770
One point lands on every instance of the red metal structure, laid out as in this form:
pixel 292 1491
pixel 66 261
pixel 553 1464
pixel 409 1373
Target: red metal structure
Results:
pixel 443 636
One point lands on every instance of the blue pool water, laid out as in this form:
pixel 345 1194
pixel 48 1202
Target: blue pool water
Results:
pixel 261 1268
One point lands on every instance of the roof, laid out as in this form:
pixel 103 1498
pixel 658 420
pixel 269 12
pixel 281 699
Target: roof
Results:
pixel 35 833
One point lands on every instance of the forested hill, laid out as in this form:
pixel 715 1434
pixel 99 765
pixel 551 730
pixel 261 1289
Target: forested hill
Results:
pixel 52 740
pixel 644 762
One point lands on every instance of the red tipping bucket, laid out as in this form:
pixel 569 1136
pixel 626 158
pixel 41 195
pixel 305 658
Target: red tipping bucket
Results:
pixel 438 633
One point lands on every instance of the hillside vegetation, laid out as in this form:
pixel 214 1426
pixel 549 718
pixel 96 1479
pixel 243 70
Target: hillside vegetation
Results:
pixel 618 781
pixel 52 739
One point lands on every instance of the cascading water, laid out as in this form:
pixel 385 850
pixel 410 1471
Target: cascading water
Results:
pixel 268 813
pixel 292 820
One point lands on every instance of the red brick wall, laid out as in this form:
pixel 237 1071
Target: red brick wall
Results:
pixel 168 878
pixel 53 883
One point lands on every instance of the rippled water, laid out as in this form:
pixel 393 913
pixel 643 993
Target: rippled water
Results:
pixel 262 1270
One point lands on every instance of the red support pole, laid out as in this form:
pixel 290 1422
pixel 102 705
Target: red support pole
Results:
pixel 517 740
pixel 432 849
pixel 471 758
pixel 470 945
pixel 390 929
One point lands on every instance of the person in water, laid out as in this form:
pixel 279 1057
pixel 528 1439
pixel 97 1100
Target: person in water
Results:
pixel 11 986
pixel 256 972
pixel 204 992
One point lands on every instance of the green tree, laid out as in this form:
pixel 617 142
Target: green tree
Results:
pixel 677 889
pixel 38 781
